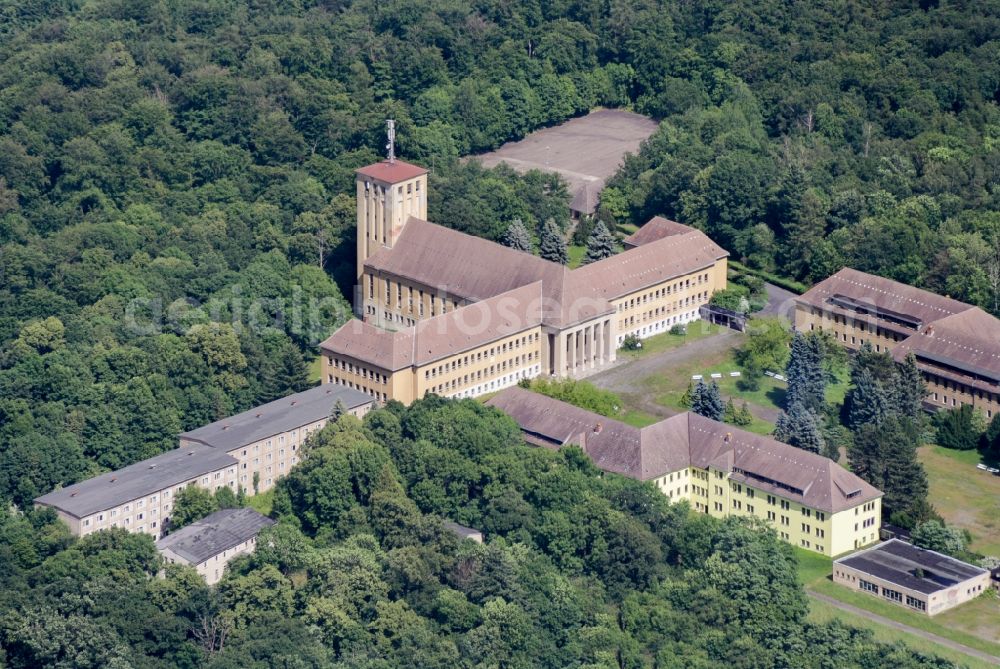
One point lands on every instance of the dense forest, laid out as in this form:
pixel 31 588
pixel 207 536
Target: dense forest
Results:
pixel 176 197
pixel 581 570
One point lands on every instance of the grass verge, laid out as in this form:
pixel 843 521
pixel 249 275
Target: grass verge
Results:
pixel 972 624
pixel 964 496
pixel 262 503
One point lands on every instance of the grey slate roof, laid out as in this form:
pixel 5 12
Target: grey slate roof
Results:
pixel 897 562
pixel 267 420
pixel 139 480
pixel 214 534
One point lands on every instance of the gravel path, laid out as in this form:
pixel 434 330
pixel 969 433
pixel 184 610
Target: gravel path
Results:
pixel 625 378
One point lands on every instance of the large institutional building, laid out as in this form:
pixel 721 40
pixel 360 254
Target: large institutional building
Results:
pixel 448 313
pixel 250 450
pixel 809 500
pixel 956 345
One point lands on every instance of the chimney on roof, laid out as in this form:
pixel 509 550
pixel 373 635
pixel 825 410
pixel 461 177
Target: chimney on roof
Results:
pixel 259 415
pixel 225 427
pixel 598 428
pixel 114 478
pixel 729 437
pixel 929 331
pixel 293 402
pixel 73 494
pixel 390 131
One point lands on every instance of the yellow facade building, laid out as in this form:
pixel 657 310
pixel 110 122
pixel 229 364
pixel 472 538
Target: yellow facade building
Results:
pixel 809 500
pixel 417 281
pixel 956 345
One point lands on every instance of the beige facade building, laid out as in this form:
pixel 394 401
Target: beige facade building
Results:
pixel 809 500
pixel 441 310
pixel 139 497
pixel 956 345
pixel 919 579
pixel 265 440
pixel 213 542
pixel 250 450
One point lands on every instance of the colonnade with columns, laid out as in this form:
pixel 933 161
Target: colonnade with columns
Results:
pixel 583 348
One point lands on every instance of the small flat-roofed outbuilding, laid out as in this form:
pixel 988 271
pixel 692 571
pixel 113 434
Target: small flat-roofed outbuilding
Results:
pixel 917 578
pixel 209 544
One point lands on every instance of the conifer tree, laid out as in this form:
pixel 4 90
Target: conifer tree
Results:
pixel 805 373
pixel 743 415
pixel 687 399
pixel 707 401
pixel 552 246
pixel 801 428
pixel 517 237
pixel 729 415
pixel 337 411
pixel 600 244
pixel 885 456
pixel 910 388
pixel 867 402
pixel 989 443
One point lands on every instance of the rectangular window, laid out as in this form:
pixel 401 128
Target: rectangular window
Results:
pixel 867 587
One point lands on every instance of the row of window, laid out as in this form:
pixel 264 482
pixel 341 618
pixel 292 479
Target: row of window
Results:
pixel 662 291
pixel 358 370
pixel 479 356
pixel 660 311
pixel 479 375
pixel 378 395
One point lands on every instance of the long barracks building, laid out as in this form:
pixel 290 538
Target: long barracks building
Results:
pixel 445 312
pixel 809 500
pixel 956 345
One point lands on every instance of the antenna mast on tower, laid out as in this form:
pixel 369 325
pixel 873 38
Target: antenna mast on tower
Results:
pixel 390 126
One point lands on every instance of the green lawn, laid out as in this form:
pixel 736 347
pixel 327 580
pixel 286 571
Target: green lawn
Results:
pixel 576 254
pixel 821 612
pixel 262 503
pixel 637 418
pixel 666 341
pixel 316 369
pixel 972 624
pixel 964 496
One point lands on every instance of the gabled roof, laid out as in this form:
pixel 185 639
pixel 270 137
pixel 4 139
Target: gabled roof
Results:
pixel 655 229
pixel 649 264
pixel 892 296
pixel 967 342
pixel 440 336
pixel 393 172
pixel 214 534
pixel 112 489
pixel 281 415
pixel 683 441
pixel 475 269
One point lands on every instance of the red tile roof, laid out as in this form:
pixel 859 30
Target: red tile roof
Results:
pixel 683 441
pixel 438 337
pixel 393 172
pixel 656 229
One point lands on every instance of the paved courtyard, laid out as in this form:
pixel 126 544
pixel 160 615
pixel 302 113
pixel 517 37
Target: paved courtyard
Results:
pixel 585 151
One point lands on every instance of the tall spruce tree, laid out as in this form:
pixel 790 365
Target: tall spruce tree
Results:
pixel 517 237
pixel 805 373
pixel 885 455
pixel 600 244
pixel 867 402
pixel 552 246
pixel 800 427
pixel 707 401
pixel 957 429
pixel 910 388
